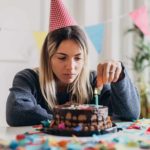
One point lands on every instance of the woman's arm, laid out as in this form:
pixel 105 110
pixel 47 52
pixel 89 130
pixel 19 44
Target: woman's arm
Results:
pixel 121 97
pixel 24 104
pixel 125 99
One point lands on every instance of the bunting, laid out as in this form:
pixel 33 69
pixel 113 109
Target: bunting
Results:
pixel 96 35
pixel 39 38
pixel 94 32
pixel 140 18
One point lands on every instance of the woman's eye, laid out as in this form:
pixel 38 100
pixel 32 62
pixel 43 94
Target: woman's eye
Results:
pixel 78 58
pixel 62 58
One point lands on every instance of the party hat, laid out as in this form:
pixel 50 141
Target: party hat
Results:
pixel 59 16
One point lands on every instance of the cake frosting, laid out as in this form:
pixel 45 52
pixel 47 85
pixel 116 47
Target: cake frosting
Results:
pixel 83 117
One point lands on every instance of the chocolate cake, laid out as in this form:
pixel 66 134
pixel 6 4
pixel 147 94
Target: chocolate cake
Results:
pixel 81 117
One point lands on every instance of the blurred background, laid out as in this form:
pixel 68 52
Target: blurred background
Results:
pixel 24 24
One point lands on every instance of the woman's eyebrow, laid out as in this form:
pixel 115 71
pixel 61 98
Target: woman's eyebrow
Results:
pixel 78 54
pixel 60 53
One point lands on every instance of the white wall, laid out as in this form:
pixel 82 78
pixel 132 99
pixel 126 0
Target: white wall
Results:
pixel 18 50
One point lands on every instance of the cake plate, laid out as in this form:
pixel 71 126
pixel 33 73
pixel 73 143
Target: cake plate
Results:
pixel 63 132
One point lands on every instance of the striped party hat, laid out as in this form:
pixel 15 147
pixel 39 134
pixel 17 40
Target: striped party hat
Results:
pixel 59 16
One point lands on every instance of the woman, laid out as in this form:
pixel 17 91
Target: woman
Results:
pixel 63 77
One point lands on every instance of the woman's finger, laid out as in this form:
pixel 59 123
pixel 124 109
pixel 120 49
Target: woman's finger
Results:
pixel 112 72
pixel 107 67
pixel 100 76
pixel 117 73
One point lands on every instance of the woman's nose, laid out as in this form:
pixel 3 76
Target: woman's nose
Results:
pixel 70 64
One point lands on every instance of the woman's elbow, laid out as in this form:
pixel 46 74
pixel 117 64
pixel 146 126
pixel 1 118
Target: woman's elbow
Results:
pixel 133 115
pixel 11 121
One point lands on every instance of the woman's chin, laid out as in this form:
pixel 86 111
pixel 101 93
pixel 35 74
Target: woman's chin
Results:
pixel 69 81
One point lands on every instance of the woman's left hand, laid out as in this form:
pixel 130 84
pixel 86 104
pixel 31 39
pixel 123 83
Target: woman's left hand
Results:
pixel 108 72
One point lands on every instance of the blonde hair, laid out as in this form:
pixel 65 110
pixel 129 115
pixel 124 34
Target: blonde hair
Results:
pixel 80 89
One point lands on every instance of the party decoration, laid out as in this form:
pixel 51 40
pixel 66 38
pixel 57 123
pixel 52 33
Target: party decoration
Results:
pixel 59 16
pixel 140 18
pixel 96 35
pixel 39 38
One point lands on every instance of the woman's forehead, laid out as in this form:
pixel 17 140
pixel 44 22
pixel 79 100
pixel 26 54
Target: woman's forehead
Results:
pixel 69 46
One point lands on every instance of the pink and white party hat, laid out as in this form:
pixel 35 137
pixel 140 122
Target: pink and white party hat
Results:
pixel 59 16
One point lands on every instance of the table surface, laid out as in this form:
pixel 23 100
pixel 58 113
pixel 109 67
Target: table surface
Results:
pixel 9 134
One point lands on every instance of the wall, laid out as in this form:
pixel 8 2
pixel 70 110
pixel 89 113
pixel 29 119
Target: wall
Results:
pixel 18 50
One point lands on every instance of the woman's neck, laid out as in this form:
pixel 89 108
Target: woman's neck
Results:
pixel 62 87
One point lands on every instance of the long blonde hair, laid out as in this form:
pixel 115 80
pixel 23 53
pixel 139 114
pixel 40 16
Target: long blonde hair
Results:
pixel 80 89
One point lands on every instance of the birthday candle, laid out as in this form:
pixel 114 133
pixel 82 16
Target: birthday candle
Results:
pixel 96 96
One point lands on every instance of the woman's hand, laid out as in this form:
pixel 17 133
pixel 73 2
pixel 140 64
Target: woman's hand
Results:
pixel 108 72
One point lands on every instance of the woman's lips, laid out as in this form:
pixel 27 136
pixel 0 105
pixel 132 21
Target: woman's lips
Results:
pixel 69 75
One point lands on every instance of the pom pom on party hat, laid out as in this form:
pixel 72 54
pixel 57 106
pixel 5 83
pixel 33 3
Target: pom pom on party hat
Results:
pixel 59 16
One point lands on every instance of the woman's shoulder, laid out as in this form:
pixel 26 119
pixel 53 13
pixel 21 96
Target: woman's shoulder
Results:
pixel 27 73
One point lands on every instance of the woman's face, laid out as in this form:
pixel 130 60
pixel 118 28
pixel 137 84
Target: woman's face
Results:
pixel 67 62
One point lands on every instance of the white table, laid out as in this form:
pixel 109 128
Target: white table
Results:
pixel 9 133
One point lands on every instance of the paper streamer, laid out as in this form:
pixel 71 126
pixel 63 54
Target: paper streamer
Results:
pixel 140 18
pixel 96 35
pixel 39 38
